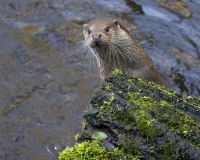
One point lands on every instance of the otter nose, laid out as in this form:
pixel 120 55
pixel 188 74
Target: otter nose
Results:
pixel 96 37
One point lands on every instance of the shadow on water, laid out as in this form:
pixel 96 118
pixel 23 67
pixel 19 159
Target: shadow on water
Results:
pixel 45 88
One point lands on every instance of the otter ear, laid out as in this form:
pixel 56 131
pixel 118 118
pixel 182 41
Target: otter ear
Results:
pixel 85 26
pixel 115 22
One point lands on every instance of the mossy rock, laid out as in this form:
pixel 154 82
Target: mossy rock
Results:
pixel 85 150
pixel 92 150
pixel 144 120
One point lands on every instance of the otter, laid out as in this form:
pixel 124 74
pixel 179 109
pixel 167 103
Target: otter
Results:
pixel 112 45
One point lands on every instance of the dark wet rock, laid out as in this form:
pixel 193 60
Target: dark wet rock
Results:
pixel 174 39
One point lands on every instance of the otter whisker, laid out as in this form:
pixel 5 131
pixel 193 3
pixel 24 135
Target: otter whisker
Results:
pixel 116 53
pixel 80 47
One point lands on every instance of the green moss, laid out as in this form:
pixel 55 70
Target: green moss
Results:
pixel 94 151
pixel 128 147
pixel 167 150
pixel 145 124
pixel 84 124
pixel 151 85
pixel 158 123
pixel 150 115
pixel 126 154
pixel 114 111
pixel 163 89
pixel 85 150
pixel 107 105
pixel 160 88
pixel 185 126
pixel 117 72
pixel 99 135
pixel 194 101
pixel 146 111
pixel 107 87
pixel 143 119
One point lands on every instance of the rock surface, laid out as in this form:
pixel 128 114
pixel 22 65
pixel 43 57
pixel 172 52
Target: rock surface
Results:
pixel 144 119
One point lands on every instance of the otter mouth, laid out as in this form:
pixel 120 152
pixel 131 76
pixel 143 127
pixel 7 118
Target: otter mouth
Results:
pixel 95 44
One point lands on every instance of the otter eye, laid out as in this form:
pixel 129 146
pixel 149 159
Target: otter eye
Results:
pixel 107 29
pixel 115 22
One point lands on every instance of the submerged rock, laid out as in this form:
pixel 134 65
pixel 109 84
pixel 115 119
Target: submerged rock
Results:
pixel 178 7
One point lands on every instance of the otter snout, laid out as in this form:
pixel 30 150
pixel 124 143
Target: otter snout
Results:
pixel 98 32
pixel 96 40
pixel 96 37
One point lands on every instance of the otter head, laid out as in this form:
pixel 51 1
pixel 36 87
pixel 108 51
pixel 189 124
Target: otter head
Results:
pixel 99 32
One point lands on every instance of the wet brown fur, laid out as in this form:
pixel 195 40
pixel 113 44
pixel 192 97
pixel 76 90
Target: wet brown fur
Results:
pixel 117 49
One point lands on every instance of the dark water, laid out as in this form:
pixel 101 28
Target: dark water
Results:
pixel 45 87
